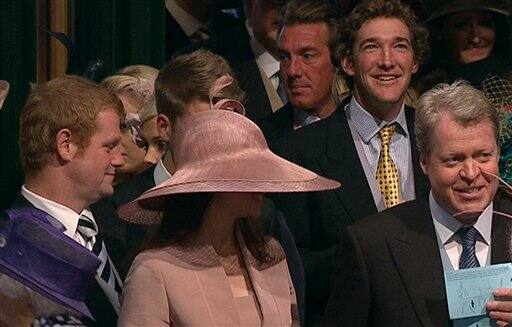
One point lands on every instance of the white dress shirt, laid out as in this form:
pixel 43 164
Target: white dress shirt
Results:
pixel 63 214
pixel 161 174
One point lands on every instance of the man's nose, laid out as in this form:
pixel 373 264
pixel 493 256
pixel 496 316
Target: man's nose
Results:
pixel 153 154
pixel 386 58
pixel 295 67
pixel 117 156
pixel 470 170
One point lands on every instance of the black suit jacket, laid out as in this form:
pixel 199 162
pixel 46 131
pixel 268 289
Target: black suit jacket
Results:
pixel 235 47
pixel 175 37
pixel 390 271
pixel 316 219
pixel 96 300
pixel 126 239
pixel 277 125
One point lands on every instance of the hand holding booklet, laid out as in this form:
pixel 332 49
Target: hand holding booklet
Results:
pixel 468 290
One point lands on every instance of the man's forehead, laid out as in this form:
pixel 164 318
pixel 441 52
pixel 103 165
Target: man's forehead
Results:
pixel 305 32
pixel 274 2
pixel 383 28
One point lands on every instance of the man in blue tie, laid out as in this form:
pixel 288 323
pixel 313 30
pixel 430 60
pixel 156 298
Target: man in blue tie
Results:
pixel 69 147
pixel 393 262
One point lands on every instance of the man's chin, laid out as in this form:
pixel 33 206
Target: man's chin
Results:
pixel 467 214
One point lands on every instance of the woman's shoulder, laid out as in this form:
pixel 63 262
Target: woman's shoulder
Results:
pixel 180 255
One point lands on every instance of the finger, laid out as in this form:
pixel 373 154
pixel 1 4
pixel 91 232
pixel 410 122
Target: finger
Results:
pixel 502 292
pixel 501 316
pixel 505 306
pixel 501 323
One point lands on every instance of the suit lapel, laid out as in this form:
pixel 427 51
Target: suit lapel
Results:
pixel 258 105
pixel 416 254
pixel 341 163
pixel 500 239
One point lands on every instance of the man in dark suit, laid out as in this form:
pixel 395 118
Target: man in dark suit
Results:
pixel 69 137
pixel 191 21
pixel 251 51
pixel 369 130
pixel 307 41
pixel 392 264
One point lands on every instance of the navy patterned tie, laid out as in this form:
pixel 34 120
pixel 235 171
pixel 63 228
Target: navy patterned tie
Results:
pixel 468 257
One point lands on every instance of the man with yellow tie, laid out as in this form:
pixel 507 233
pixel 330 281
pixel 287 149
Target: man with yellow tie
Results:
pixel 368 144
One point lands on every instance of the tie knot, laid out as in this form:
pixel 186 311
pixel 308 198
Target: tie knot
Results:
pixel 86 227
pixel 386 133
pixel 468 236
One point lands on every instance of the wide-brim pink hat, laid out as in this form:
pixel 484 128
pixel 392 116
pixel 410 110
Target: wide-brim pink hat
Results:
pixel 222 151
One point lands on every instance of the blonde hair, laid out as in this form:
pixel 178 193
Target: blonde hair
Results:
pixel 138 81
pixel 461 102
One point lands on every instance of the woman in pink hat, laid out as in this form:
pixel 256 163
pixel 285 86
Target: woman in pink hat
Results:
pixel 209 264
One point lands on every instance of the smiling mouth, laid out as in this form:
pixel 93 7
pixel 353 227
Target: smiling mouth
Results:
pixel 470 193
pixel 386 78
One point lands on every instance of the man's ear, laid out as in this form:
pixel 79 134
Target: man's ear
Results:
pixel 423 164
pixel 65 147
pixel 415 66
pixel 163 125
pixel 348 66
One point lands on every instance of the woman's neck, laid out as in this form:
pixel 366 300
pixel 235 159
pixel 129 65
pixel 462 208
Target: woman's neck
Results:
pixel 218 230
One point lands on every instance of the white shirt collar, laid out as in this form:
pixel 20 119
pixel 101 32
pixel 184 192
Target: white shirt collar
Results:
pixel 367 125
pixel 264 59
pixel 161 174
pixel 447 226
pixel 66 216
pixel 188 23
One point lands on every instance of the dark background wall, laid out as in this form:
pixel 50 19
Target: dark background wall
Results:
pixel 18 65
pixel 117 32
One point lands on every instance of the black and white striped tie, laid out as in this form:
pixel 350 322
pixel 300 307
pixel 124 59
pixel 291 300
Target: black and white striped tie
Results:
pixel 106 275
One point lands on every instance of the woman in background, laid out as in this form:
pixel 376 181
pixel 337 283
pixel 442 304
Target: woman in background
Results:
pixel 134 86
pixel 470 41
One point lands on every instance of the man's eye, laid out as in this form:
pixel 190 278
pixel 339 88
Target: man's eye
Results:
pixel 308 55
pixel 402 46
pixel 370 46
pixel 162 146
pixel 282 57
pixel 485 156
pixel 451 161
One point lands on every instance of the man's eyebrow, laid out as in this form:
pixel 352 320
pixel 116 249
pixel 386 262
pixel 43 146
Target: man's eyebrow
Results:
pixel 376 40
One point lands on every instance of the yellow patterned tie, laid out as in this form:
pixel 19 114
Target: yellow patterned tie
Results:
pixel 387 174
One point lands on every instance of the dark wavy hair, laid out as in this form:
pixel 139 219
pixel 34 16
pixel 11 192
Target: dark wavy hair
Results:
pixel 370 9
pixel 183 214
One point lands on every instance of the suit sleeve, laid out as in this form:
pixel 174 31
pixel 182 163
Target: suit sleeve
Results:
pixel 350 300
pixel 145 301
